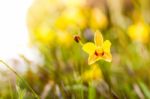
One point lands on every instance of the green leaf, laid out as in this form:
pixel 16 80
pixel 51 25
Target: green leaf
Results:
pixel 145 89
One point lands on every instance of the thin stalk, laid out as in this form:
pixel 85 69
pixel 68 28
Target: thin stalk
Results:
pixel 10 89
pixel 9 67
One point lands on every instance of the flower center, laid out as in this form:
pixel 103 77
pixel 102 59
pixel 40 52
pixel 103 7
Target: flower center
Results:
pixel 99 53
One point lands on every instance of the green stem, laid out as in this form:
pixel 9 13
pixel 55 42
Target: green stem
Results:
pixel 91 91
pixel 80 43
pixel 9 67
pixel 10 89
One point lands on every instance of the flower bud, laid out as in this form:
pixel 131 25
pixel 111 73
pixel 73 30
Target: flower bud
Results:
pixel 77 38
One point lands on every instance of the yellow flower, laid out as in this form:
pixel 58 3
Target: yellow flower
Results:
pixel 139 32
pixel 94 73
pixel 39 21
pixel 44 34
pixel 64 38
pixel 99 50
pixel 72 3
pixel 98 19
pixel 71 18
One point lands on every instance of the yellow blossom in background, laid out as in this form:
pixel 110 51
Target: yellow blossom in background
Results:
pixel 139 32
pixel 58 23
pixel 75 3
pixel 40 19
pixel 45 34
pixel 64 38
pixel 99 50
pixel 94 73
pixel 71 17
pixel 41 11
pixel 98 19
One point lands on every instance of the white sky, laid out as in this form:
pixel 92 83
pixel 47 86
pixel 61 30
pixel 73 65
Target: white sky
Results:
pixel 14 33
pixel 13 30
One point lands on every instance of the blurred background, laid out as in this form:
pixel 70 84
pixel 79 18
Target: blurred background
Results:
pixel 39 58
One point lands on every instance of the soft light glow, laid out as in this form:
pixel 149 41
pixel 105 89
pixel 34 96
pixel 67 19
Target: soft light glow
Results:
pixel 13 30
pixel 14 34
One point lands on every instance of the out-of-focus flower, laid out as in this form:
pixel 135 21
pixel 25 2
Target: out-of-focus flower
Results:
pixel 39 20
pixel 98 19
pixel 41 11
pixel 44 34
pixel 64 38
pixel 71 18
pixel 99 50
pixel 139 32
pixel 76 3
pixel 94 73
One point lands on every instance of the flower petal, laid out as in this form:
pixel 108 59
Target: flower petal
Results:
pixel 89 47
pixel 106 46
pixel 94 73
pixel 93 58
pixel 107 57
pixel 98 38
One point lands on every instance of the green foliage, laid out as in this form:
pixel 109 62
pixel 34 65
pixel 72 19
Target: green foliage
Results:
pixel 64 62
